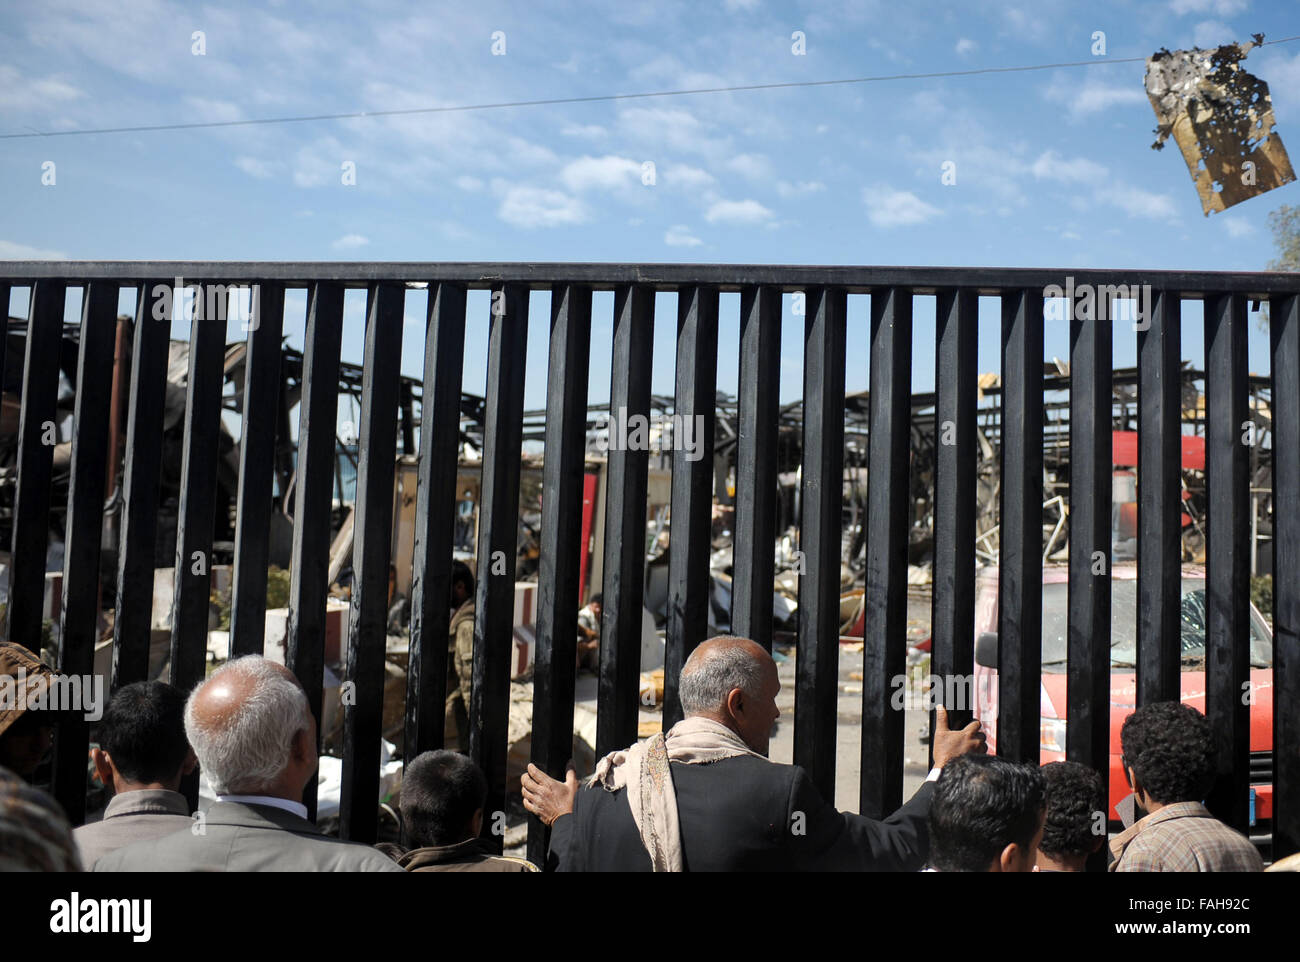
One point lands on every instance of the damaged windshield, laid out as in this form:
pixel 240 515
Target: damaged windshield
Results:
pixel 1123 627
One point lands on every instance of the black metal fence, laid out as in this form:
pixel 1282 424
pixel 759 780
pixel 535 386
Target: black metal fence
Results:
pixel 825 291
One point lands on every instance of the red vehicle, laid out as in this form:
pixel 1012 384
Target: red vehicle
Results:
pixel 1123 679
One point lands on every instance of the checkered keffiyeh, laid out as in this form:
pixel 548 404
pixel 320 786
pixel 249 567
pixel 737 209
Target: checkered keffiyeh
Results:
pixel 1183 837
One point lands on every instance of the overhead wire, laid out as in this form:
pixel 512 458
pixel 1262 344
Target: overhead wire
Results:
pixel 598 98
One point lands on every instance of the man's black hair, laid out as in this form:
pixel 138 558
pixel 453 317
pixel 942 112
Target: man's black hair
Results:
pixel 981 804
pixel 143 731
pixel 596 599
pixel 1171 748
pixel 441 791
pixel 461 575
pixel 1074 797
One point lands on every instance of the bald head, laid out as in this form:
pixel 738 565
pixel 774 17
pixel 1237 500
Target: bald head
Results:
pixel 251 726
pixel 734 681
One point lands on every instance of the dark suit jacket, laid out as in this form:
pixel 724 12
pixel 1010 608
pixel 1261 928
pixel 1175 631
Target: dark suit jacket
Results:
pixel 744 814
pixel 235 837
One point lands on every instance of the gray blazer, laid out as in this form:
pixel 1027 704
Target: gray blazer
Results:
pixel 235 837
pixel 132 817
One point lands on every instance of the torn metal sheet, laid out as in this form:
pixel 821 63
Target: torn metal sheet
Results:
pixel 1222 119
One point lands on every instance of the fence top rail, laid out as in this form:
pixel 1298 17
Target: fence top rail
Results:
pixel 663 277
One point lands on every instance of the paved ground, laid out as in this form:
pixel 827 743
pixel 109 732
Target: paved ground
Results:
pixel 848 746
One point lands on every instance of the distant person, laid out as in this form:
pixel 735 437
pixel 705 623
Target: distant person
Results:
pixel 443 794
pixel 986 816
pixel 704 797
pixel 589 633
pixel 399 606
pixel 25 733
pixel 1076 817
pixel 34 834
pixel 142 756
pixel 255 737
pixel 1169 763
pixel 460 654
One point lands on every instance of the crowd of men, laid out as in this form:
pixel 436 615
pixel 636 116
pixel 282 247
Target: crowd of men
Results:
pixel 702 796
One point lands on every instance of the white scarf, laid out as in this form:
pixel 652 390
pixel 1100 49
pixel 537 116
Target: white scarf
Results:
pixel 644 770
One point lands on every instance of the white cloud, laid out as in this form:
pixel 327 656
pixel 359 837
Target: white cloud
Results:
pixel 600 173
pixel 1094 97
pixel 1224 8
pixel 665 127
pixel 737 212
pixel 1237 227
pixel 1213 33
pixel 751 166
pixel 350 242
pixel 522 151
pixel 964 46
pixel 532 207
pixel 321 163
pixel 679 235
pixel 787 189
pixel 1051 166
pixel 887 207
pixel 1281 73
pixel 466 182
pixel 996 169
pixel 687 177
pixel 590 131
pixel 18 93
pixel 1140 203
pixel 208 111
pixel 261 169
pixel 9 251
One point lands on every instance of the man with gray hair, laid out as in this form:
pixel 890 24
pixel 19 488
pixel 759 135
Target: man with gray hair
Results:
pixel 255 737
pixel 704 796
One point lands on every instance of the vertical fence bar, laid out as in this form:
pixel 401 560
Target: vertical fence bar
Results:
pixel 198 496
pixel 371 553
pixel 689 540
pixel 1020 572
pixel 1087 738
pixel 139 525
pixel 498 545
pixel 261 397
pixel 80 602
pixel 756 464
pixel 317 437
pixel 5 291
pixel 953 601
pixel 435 520
pixel 888 522
pixel 1229 432
pixel 821 514
pixel 558 565
pixel 1159 501
pixel 36 440
pixel 1284 324
pixel 625 517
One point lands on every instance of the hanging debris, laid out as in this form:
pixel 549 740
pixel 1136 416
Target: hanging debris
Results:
pixel 1222 119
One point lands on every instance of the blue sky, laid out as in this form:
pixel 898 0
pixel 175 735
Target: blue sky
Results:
pixel 1053 168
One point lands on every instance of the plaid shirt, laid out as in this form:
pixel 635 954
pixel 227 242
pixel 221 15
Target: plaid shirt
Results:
pixel 1183 837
